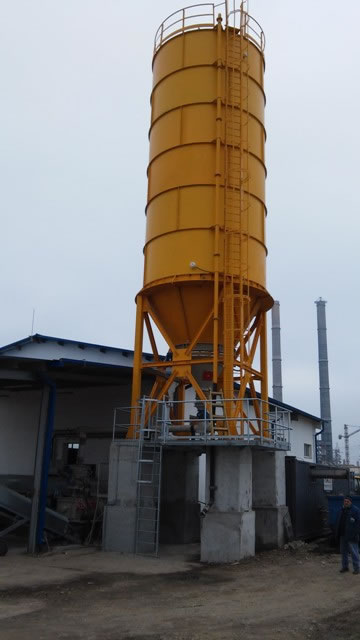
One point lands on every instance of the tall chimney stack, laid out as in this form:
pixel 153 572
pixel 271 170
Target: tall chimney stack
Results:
pixel 325 411
pixel 276 351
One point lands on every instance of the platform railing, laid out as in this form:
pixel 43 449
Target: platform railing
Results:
pixel 266 425
pixel 204 16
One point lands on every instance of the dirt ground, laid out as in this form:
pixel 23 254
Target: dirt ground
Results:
pixel 84 593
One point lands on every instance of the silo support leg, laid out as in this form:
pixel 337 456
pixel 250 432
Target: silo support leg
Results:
pixel 151 336
pixel 136 382
pixel 269 498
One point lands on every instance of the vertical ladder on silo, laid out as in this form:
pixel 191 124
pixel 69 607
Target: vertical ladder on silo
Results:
pixel 236 228
pixel 218 420
pixel 148 490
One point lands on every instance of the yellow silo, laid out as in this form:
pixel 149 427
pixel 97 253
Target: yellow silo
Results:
pixel 204 255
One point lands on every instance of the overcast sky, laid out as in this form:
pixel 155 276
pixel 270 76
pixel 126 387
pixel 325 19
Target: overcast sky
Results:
pixel 74 113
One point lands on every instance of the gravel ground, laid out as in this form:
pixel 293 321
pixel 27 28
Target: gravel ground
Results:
pixel 284 594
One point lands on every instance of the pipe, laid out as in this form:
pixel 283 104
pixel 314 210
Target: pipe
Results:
pixel 212 486
pixel 316 443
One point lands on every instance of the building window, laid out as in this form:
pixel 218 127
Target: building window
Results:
pixel 72 452
pixel 307 451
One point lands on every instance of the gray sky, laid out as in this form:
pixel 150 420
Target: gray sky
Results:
pixel 74 112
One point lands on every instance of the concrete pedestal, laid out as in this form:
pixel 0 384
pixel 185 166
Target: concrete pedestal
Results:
pixel 120 512
pixel 228 529
pixel 269 498
pixel 179 511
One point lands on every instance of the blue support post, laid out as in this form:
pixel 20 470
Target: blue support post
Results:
pixel 46 462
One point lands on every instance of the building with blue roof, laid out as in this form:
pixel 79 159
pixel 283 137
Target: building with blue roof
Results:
pixel 57 403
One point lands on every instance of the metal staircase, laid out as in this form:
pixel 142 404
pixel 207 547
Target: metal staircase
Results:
pixel 148 491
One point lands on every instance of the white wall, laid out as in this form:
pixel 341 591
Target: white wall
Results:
pixel 85 410
pixel 19 420
pixel 91 411
pixel 303 432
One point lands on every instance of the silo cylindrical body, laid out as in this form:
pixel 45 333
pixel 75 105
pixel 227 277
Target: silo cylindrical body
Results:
pixel 180 228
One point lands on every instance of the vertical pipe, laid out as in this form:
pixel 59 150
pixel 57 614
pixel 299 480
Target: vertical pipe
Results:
pixel 325 411
pixel 276 352
pixel 212 486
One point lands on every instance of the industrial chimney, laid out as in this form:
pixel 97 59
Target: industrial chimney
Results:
pixel 276 352
pixel 325 411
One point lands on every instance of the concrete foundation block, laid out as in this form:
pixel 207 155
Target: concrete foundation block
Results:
pixel 123 472
pixel 120 512
pixel 233 479
pixel 227 537
pixel 269 527
pixel 268 478
pixel 119 529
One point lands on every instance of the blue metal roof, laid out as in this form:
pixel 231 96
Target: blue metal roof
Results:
pixel 289 407
pixel 38 337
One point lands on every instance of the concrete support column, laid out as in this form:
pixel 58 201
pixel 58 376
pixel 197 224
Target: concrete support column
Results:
pixel 269 498
pixel 120 512
pixel 179 511
pixel 228 529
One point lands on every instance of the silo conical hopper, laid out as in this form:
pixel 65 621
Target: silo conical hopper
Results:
pixel 204 256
